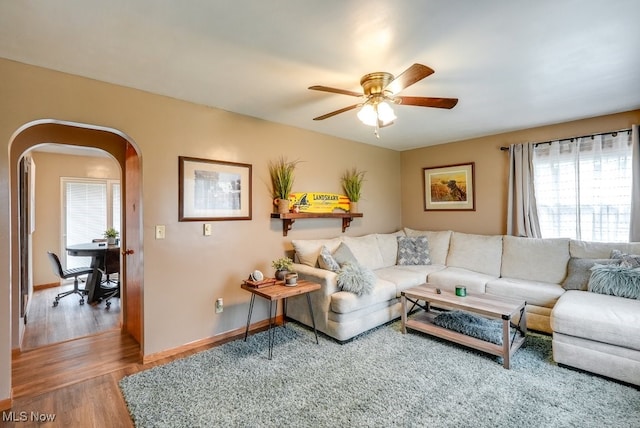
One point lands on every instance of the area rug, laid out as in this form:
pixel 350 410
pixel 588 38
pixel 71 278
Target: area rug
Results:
pixel 380 379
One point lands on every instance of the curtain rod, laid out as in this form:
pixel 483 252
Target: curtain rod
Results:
pixel 503 148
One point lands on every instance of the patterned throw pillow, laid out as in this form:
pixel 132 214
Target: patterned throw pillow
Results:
pixel 326 260
pixel 631 261
pixel 413 250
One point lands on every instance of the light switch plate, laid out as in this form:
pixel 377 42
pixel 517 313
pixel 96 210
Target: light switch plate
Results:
pixel 160 231
pixel 206 229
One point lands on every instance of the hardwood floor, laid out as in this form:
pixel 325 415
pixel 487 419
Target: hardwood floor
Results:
pixel 74 383
pixel 47 324
pixel 66 365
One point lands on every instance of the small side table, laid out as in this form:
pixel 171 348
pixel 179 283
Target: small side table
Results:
pixel 276 292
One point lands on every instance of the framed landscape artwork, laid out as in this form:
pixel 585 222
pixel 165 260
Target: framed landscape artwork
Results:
pixel 449 188
pixel 213 190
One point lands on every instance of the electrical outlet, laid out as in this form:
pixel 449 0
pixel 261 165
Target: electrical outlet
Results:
pixel 219 305
pixel 206 229
pixel 160 231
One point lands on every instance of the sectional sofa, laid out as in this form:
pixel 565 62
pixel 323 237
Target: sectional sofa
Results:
pixel 594 332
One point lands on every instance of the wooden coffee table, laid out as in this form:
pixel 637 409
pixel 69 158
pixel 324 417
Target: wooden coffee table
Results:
pixel 276 292
pixel 481 304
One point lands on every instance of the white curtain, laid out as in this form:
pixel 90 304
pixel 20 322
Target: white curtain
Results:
pixel 582 187
pixel 522 215
pixel 634 229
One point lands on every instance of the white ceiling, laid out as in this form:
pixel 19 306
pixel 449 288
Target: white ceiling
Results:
pixel 513 64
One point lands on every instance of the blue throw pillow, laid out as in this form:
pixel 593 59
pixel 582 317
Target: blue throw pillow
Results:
pixel 615 280
pixel 356 278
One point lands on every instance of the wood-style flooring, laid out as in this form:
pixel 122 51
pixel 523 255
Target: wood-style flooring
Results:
pixel 47 324
pixel 76 381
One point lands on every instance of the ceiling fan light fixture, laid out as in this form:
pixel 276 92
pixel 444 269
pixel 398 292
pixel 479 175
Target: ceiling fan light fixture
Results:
pixel 376 114
pixel 385 113
pixel 368 115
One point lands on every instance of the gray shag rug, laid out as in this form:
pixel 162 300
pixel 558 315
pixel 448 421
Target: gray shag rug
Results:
pixel 380 379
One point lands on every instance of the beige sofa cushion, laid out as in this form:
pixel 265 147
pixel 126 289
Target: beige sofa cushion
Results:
pixel 479 253
pixel 450 277
pixel 388 245
pixel 308 250
pixel 543 260
pixel 533 292
pixel 600 250
pixel 402 278
pixel 366 250
pixel 438 243
pixel 607 319
pixel 344 301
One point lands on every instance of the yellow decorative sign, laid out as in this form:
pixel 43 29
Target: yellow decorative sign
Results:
pixel 316 202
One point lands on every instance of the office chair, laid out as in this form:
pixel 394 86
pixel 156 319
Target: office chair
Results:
pixel 111 266
pixel 66 274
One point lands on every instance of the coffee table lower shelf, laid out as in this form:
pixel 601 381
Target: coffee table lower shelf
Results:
pixel 422 322
pixel 494 307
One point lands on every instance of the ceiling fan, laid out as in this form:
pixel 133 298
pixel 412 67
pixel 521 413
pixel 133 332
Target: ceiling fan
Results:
pixel 380 89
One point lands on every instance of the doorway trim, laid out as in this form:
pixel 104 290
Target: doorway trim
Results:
pixel 123 149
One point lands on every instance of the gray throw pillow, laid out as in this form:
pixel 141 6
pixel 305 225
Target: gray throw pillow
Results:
pixel 615 281
pixel 413 250
pixel 326 260
pixel 626 260
pixel 356 278
pixel 579 271
pixel 344 255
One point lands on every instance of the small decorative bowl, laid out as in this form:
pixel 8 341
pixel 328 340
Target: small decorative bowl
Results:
pixel 291 279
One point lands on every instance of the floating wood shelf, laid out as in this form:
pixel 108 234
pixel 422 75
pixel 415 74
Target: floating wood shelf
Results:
pixel 289 218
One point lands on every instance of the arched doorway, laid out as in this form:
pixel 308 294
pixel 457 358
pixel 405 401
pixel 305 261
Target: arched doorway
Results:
pixel 125 152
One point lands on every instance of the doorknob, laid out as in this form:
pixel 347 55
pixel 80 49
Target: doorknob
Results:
pixel 127 252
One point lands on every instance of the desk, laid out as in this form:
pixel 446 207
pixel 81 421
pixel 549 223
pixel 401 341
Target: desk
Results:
pixel 277 292
pixel 95 250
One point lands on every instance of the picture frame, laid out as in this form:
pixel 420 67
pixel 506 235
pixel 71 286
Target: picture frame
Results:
pixel 213 190
pixel 449 187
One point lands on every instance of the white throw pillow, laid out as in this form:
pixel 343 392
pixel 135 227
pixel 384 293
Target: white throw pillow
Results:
pixel 308 250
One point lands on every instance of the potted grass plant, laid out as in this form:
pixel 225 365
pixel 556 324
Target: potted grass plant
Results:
pixel 352 181
pixel 281 172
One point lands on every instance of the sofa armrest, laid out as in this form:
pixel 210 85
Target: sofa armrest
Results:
pixel 326 278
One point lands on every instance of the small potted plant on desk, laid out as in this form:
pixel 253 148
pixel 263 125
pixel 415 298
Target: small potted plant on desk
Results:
pixel 111 234
pixel 282 266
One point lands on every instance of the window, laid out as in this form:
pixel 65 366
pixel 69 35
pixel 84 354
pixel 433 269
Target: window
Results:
pixel 89 207
pixel 583 187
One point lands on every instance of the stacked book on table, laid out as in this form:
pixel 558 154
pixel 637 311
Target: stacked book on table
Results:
pixel 262 283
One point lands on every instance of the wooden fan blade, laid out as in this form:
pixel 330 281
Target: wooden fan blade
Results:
pixel 428 102
pixel 333 113
pixel 408 77
pixel 336 91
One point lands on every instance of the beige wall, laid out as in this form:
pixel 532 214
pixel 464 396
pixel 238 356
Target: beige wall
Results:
pixel 50 168
pixel 491 173
pixel 186 272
